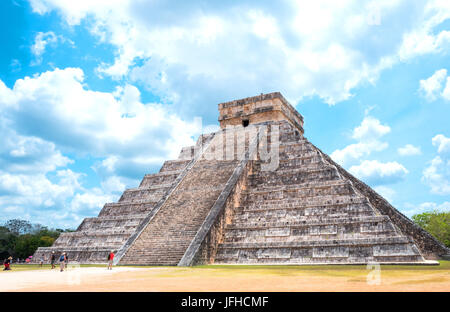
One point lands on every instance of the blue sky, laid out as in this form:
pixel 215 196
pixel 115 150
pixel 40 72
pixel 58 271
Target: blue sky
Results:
pixel 95 94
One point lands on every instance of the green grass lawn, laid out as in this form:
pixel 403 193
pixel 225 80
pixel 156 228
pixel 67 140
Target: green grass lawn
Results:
pixel 331 270
pixel 356 271
pixel 32 267
pixel 443 265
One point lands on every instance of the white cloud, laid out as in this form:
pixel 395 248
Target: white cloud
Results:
pixel 230 50
pixel 90 202
pixel 377 173
pixel 437 173
pixel 31 190
pixel 59 201
pixel 113 184
pixel 442 142
pixel 387 192
pixel 423 37
pixel 409 150
pixel 446 92
pixel 368 134
pixel 356 151
pixel 15 65
pixel 436 87
pixel 103 124
pixel 41 41
pixel 437 176
pixel 24 154
pixel 370 129
pixel 43 115
pixel 432 86
pixel 425 207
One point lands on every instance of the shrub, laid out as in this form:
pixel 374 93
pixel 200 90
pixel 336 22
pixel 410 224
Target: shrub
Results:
pixel 436 223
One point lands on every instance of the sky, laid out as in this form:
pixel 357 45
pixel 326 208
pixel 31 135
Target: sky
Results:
pixel 95 94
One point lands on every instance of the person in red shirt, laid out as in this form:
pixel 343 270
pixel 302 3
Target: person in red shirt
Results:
pixel 7 264
pixel 110 260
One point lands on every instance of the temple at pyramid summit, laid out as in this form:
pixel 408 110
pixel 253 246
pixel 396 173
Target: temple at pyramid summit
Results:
pixel 254 192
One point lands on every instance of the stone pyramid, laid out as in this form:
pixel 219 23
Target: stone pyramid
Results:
pixel 254 192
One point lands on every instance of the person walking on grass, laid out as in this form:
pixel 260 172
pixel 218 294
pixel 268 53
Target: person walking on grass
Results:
pixel 62 261
pixel 110 260
pixel 67 260
pixel 7 264
pixel 53 259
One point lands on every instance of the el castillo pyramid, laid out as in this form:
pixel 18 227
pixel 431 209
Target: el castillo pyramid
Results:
pixel 254 192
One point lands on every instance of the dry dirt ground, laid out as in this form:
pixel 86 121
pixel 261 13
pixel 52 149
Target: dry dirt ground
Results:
pixel 229 278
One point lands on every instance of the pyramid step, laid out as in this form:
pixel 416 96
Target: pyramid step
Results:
pixel 308 260
pixel 305 159
pixel 165 177
pixel 102 222
pixel 305 202
pixel 97 232
pixel 157 187
pixel 379 249
pixel 117 218
pixel 144 193
pixel 135 203
pixel 301 186
pixel 127 208
pixel 97 237
pixel 290 137
pixel 293 176
pixel 327 229
pixel 252 224
pixel 79 254
pixel 69 249
pixel 392 240
pixel 304 215
pixel 174 165
pixel 117 242
pixel 295 148
pixel 299 142
pixel 313 167
pixel 334 187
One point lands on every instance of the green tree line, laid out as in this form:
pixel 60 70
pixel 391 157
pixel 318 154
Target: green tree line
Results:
pixel 436 223
pixel 20 238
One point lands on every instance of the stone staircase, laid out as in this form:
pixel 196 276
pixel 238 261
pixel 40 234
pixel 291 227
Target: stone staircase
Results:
pixel 169 233
pixel 307 212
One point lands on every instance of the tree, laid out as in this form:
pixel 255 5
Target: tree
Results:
pixel 20 239
pixel 436 223
pixel 7 242
pixel 26 245
pixel 18 226
pixel 46 241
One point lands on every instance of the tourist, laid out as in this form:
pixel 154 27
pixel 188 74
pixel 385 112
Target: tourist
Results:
pixel 62 261
pixel 41 261
pixel 7 264
pixel 67 260
pixel 53 259
pixel 110 260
